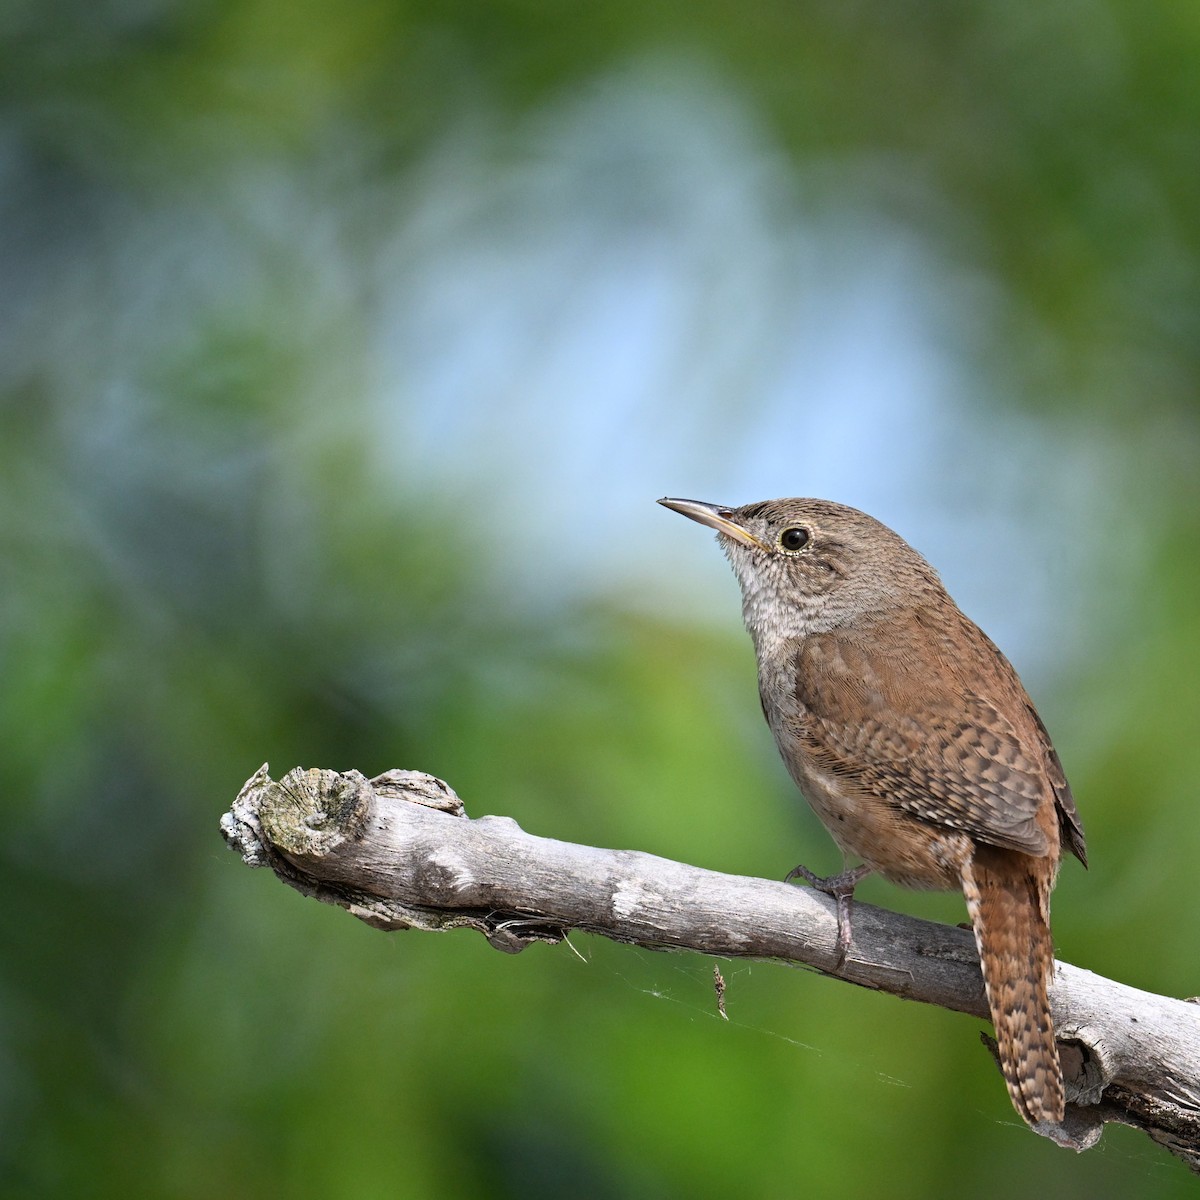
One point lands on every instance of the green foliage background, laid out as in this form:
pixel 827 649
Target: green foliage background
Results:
pixel 223 542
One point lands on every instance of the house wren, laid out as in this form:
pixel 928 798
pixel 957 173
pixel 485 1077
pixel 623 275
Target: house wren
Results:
pixel 912 738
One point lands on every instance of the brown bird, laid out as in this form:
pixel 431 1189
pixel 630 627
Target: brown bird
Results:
pixel 912 738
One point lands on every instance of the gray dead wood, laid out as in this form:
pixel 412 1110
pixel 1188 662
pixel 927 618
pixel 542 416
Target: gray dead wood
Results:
pixel 399 852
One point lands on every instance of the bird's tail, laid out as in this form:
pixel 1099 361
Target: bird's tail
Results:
pixel 1008 899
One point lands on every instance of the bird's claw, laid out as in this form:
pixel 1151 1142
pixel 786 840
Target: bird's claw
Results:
pixel 841 888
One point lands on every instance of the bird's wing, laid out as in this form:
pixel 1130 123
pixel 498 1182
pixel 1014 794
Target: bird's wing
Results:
pixel 921 732
pixel 1069 824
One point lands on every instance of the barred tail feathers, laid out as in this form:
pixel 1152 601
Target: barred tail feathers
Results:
pixel 1008 899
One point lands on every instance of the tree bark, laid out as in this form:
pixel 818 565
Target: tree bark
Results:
pixel 399 852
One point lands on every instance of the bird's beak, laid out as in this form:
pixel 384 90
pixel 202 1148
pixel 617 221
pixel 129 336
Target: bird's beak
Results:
pixel 714 515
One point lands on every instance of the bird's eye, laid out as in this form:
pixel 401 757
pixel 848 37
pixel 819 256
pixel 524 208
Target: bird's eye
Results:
pixel 794 539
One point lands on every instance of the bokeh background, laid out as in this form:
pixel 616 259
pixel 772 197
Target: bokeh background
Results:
pixel 344 349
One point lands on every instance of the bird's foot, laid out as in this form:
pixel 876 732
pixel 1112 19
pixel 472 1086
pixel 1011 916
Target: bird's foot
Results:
pixel 841 887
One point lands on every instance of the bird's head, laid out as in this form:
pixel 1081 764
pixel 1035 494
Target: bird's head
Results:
pixel 808 565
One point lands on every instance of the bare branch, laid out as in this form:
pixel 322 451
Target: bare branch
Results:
pixel 399 852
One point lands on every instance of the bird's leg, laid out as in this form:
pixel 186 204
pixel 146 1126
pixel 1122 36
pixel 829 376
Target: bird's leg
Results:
pixel 841 887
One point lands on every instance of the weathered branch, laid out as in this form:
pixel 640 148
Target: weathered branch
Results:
pixel 399 852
